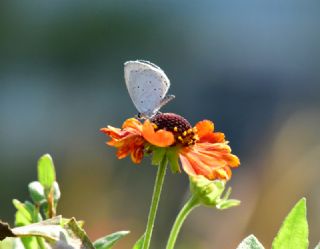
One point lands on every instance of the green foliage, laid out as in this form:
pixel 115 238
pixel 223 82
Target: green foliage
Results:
pixel 250 242
pixel 292 234
pixel 294 230
pixel 139 243
pixel 57 234
pixel 108 241
pixel 46 172
pixel 60 233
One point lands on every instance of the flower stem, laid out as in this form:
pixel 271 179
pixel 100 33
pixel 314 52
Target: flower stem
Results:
pixel 155 201
pixel 186 209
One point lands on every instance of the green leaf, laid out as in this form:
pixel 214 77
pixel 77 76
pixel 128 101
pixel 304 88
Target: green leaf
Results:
pixel 20 219
pixel 23 213
pixel 108 241
pixel 294 230
pixel 46 171
pixel 250 242
pixel 158 154
pixel 36 192
pixel 139 243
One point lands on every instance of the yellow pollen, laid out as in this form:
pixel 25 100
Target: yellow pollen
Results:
pixel 180 138
pixel 184 133
pixel 175 129
pixel 155 126
pixel 195 129
pixel 189 131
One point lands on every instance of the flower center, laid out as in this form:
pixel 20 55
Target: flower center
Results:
pixel 182 130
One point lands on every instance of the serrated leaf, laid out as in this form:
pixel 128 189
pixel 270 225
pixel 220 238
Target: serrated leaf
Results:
pixel 46 171
pixel 108 241
pixel 294 230
pixel 250 242
pixel 139 243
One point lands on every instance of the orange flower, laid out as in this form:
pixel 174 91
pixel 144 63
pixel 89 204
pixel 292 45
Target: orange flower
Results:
pixel 130 139
pixel 201 150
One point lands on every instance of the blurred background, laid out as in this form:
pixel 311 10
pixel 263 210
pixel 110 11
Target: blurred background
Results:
pixel 253 67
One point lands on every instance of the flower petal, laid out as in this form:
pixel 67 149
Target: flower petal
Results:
pixel 186 165
pixel 132 123
pixel 223 173
pixel 197 166
pixel 160 138
pixel 114 132
pixel 127 140
pixel 137 154
pixel 123 151
pixel 213 137
pixel 204 127
pixel 210 160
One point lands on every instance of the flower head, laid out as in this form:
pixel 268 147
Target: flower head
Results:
pixel 201 150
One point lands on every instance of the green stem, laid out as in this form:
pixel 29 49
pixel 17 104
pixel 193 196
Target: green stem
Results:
pixel 186 209
pixel 155 201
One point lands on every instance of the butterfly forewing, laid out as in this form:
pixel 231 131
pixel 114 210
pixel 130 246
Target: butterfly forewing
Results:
pixel 147 85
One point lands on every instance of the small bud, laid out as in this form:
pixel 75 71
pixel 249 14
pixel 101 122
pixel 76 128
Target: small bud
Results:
pixel 207 191
pixel 210 192
pixel 36 191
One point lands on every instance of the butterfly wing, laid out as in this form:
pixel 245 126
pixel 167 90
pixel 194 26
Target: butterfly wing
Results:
pixel 147 85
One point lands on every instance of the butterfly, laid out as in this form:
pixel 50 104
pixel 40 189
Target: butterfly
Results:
pixel 147 85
